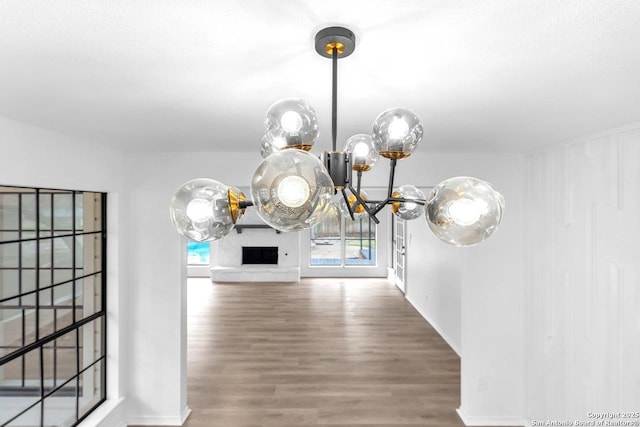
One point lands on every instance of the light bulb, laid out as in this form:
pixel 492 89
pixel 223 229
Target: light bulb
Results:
pixel 361 150
pixel 464 211
pixel 398 129
pixel 291 121
pixel 199 210
pixel 293 191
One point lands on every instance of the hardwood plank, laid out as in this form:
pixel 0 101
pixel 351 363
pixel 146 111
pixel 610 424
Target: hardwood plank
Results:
pixel 322 352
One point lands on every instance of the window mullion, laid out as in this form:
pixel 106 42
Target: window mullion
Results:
pixel 36 245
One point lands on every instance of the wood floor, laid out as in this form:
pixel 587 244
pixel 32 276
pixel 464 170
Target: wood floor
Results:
pixel 324 352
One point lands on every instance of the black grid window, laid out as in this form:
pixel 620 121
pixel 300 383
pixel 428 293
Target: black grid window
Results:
pixel 52 305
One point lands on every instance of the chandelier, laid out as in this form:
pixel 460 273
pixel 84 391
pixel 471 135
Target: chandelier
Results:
pixel 293 190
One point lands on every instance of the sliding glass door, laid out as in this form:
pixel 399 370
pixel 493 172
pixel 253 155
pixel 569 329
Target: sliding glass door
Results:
pixel 341 241
pixel 342 247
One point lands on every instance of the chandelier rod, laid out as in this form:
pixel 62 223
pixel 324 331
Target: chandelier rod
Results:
pixel 334 99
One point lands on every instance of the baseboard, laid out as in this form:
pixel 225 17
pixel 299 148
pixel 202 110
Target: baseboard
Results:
pixel 435 326
pixel 161 421
pixel 489 421
pixel 391 275
pixel 110 414
pixel 255 273
pixel 185 414
pixel 198 271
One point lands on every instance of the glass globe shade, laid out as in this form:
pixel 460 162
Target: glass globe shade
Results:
pixel 464 211
pixel 291 190
pixel 359 210
pixel 407 210
pixel 363 155
pixel 292 123
pixel 331 217
pixel 270 145
pixel 396 133
pixel 204 209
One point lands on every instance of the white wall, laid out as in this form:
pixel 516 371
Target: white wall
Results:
pixel 157 331
pixel 434 277
pixel 491 310
pixel 35 157
pixel 473 296
pixel 582 286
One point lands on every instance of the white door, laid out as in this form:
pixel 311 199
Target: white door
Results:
pixel 400 252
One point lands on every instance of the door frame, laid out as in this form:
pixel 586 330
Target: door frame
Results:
pixel 399 239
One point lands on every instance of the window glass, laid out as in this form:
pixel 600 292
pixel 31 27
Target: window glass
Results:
pixel 198 253
pixel 326 240
pixel 340 241
pixel 360 241
pixel 52 305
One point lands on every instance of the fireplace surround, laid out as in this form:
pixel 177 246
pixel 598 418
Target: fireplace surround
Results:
pixel 256 253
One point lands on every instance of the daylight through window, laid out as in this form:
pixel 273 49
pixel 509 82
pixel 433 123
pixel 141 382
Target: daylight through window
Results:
pixel 52 305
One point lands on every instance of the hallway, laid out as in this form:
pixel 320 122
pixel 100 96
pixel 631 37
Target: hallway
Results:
pixel 323 352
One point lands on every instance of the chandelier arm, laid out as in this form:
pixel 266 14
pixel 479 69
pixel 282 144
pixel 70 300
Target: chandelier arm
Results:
pixel 405 200
pixel 371 213
pixel 379 206
pixel 346 199
pixel 359 181
pixel 334 100
pixel 245 204
pixel 392 173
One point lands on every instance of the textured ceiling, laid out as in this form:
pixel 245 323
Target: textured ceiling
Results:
pixel 187 75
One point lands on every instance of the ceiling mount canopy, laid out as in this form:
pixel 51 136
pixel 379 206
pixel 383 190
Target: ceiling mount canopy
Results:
pixel 340 38
pixel 293 190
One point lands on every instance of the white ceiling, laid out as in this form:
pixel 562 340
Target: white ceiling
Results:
pixel 193 75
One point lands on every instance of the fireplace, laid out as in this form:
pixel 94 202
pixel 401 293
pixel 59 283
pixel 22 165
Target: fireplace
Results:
pixel 256 254
pixel 260 255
